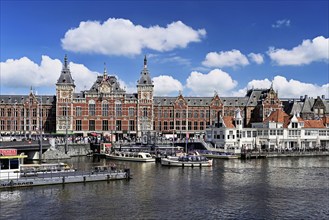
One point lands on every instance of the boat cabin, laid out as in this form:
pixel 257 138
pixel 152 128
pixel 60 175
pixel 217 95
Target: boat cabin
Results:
pixel 10 164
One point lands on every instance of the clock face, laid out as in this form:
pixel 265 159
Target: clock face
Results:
pixel 64 94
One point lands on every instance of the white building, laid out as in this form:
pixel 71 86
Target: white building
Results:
pixel 278 131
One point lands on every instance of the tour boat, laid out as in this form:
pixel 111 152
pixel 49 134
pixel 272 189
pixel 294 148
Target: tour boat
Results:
pixel 10 164
pixel 11 175
pixel 219 155
pixel 131 156
pixel 44 168
pixel 187 161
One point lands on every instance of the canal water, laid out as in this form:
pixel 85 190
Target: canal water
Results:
pixel 277 188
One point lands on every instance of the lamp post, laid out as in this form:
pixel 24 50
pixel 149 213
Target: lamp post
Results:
pixel 41 128
pixel 66 125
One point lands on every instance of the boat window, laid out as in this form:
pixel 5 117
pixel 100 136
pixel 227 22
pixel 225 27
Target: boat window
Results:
pixel 4 164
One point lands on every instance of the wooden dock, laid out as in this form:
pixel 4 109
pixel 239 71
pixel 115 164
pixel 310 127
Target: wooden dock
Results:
pixel 264 154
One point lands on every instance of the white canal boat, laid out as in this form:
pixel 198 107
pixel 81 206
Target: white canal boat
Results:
pixel 12 177
pixel 131 156
pixel 187 161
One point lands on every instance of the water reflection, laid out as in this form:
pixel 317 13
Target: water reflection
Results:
pixel 295 188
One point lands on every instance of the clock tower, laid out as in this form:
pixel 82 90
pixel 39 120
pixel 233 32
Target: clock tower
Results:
pixel 145 105
pixel 64 99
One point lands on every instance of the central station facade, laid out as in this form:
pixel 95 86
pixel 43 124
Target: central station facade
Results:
pixel 107 109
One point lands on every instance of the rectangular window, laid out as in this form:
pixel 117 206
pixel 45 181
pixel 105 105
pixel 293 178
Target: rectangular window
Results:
pixel 165 113
pixel 160 113
pixel 184 125
pixel 22 112
pixel 131 112
pixel 118 125
pixel 105 110
pixel 22 125
pixel 207 113
pixel 9 112
pixel 177 114
pixel 195 114
pixel 78 125
pixel 131 125
pixel 34 112
pixel 201 114
pixel 8 125
pixel 64 111
pixel 145 112
pixel 78 111
pixel 178 125
pixel 105 125
pixel 2 112
pixel 165 125
pixel 189 125
pixel 92 110
pixel 2 125
pixel 171 125
pixel 201 125
pixel 91 125
pixel 118 109
pixel 34 125
pixel 171 113
pixel 195 125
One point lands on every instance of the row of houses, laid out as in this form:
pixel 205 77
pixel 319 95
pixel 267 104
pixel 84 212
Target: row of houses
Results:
pixel 107 109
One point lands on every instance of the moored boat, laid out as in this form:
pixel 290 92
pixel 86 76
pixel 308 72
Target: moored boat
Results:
pixel 187 161
pixel 219 155
pixel 12 177
pixel 44 168
pixel 131 156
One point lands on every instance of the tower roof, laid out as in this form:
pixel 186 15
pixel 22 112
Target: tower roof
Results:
pixel 65 77
pixel 145 78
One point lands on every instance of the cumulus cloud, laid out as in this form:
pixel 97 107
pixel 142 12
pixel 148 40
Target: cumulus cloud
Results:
pixel 281 23
pixel 166 85
pixel 205 84
pixel 220 59
pixel 309 51
pixel 256 57
pixel 24 72
pixel 288 88
pixel 122 37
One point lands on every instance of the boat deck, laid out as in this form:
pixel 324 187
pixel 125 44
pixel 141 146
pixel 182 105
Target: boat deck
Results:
pixel 64 178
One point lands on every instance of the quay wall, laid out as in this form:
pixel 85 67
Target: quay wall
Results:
pixel 58 151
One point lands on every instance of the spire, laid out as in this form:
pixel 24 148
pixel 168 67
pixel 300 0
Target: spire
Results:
pixel 65 62
pixel 105 71
pixel 145 78
pixel 145 62
pixel 65 77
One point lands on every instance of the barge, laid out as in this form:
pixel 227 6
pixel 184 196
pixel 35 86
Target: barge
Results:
pixel 12 177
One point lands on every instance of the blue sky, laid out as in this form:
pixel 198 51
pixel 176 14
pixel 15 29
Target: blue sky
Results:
pixel 197 47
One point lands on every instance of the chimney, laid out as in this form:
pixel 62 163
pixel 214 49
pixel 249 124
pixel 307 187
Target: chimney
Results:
pixel 306 96
pixel 323 97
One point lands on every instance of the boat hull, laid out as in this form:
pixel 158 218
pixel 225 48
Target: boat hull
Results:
pixel 113 157
pixel 176 163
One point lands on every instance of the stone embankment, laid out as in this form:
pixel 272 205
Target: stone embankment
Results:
pixel 58 151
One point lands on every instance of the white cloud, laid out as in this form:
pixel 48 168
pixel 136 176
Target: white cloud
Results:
pixel 122 37
pixel 24 72
pixel 166 85
pixel 256 57
pixel 231 58
pixel 205 84
pixel 288 88
pixel 281 23
pixel 309 51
